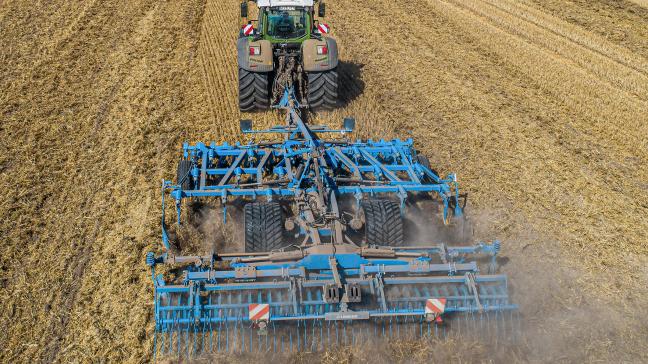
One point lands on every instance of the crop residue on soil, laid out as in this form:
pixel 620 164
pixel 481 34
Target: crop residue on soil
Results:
pixel 539 106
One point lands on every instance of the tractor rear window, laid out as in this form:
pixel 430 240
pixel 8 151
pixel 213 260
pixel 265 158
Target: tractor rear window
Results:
pixel 286 23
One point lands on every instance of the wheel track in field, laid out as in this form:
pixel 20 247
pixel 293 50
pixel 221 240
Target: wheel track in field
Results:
pixel 218 59
pixel 619 22
pixel 220 71
pixel 520 123
pixel 426 48
pixel 592 96
pixel 587 40
pixel 628 75
pixel 603 120
pixel 578 125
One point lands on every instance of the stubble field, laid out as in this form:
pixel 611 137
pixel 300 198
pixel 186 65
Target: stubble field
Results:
pixel 539 106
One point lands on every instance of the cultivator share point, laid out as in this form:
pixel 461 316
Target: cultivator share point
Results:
pixel 325 259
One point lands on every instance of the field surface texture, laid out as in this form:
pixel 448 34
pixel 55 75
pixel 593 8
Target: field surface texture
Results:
pixel 540 106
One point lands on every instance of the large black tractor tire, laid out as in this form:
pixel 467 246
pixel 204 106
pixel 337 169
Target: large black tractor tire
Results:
pixel 183 176
pixel 254 90
pixel 264 227
pixel 383 223
pixel 322 90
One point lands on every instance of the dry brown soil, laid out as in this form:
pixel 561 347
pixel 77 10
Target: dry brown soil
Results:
pixel 539 105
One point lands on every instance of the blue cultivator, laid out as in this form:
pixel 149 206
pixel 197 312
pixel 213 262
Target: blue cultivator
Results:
pixel 327 259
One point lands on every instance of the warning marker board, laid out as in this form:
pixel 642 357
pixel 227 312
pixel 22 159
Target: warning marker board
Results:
pixel 435 306
pixel 259 312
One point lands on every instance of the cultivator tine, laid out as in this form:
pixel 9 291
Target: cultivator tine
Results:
pixel 192 334
pixel 238 336
pixel 218 336
pixel 515 333
pixel 163 346
pixel 184 340
pixel 500 328
pixel 510 335
pixel 222 325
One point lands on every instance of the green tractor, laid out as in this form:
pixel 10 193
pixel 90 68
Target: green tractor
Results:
pixel 286 47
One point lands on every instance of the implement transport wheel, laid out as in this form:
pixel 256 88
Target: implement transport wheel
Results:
pixel 425 162
pixel 263 227
pixel 383 222
pixel 254 90
pixel 183 177
pixel 323 90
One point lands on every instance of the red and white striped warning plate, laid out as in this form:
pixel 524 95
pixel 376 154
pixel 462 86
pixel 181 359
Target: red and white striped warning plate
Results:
pixel 323 28
pixel 435 306
pixel 248 29
pixel 259 311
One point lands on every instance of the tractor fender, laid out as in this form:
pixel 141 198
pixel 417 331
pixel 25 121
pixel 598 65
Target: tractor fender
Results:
pixel 314 62
pixel 256 63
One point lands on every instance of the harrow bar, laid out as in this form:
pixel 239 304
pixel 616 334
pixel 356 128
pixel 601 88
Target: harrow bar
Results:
pixel 239 337
pixel 391 293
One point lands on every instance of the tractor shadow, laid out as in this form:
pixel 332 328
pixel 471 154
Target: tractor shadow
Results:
pixel 351 85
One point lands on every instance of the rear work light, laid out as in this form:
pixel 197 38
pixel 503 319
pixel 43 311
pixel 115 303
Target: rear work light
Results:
pixel 321 50
pixel 255 50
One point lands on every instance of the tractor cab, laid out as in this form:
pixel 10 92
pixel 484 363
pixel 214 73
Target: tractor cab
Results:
pixel 283 23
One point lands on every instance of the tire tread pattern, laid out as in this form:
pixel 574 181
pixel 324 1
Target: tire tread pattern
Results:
pixel 323 90
pixel 254 90
pixel 383 222
pixel 183 175
pixel 263 227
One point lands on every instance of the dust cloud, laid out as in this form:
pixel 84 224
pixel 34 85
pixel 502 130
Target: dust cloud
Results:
pixel 558 320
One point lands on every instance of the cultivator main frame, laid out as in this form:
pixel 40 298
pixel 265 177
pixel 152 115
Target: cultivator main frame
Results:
pixel 324 282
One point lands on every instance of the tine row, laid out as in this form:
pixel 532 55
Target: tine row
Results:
pixel 498 327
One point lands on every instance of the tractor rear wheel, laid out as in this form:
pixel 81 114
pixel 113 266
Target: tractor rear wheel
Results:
pixel 183 176
pixel 263 227
pixel 254 90
pixel 383 222
pixel 323 89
